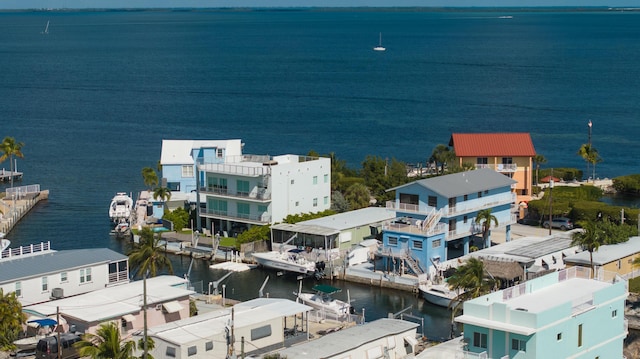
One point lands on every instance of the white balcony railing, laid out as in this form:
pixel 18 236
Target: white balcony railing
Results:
pixel 500 167
pixel 260 195
pixel 256 218
pixel 481 203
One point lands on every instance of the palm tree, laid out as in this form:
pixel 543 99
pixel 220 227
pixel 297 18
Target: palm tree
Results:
pixel 150 177
pixel 12 319
pixel 591 156
pixel 162 193
pixel 485 218
pixel 148 255
pixel 441 155
pixel 10 148
pixel 590 238
pixel 538 160
pixel 106 343
pixel 470 281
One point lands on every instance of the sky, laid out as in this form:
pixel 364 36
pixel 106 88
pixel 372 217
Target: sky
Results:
pixel 79 4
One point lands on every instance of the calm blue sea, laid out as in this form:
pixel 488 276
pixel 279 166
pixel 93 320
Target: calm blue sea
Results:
pixel 93 99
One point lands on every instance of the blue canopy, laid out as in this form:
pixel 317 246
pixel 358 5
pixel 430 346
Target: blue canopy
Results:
pixel 45 322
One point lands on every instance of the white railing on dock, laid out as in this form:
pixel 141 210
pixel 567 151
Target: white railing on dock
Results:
pixel 26 250
pixel 22 190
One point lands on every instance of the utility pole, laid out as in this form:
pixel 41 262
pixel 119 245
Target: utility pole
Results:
pixel 58 320
pixel 551 202
pixel 144 309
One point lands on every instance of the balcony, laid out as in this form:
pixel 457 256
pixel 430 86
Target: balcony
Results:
pixel 409 208
pixel 258 195
pixel 414 227
pixel 480 203
pixel 259 219
pixel 511 167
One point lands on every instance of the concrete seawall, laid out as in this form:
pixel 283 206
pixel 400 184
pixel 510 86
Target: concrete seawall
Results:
pixel 14 210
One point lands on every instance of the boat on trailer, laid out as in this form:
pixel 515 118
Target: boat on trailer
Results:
pixel 120 207
pixel 290 261
pixel 323 300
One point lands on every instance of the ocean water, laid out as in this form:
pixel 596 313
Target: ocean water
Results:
pixel 93 99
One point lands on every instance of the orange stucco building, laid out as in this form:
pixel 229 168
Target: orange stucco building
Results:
pixel 508 153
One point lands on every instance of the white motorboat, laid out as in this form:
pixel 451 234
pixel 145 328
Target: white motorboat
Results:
pixel 28 343
pixel 120 207
pixel 439 294
pixel 323 300
pixel 379 47
pixel 291 261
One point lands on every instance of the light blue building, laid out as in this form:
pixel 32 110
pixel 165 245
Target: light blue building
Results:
pixel 436 213
pixel 560 315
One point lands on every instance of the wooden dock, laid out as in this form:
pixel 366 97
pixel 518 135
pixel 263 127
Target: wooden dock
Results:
pixel 5 176
pixel 17 202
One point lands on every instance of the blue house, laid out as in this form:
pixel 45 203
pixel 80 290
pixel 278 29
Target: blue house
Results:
pixel 560 315
pixel 435 213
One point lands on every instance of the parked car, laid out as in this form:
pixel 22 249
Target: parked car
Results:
pixel 47 347
pixel 560 222
pixel 529 221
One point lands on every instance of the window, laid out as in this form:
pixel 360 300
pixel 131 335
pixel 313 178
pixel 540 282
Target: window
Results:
pixel 452 225
pixel 619 264
pixel 482 160
pixel 579 335
pixel 45 285
pixel 486 191
pixel 173 186
pixel 292 181
pixel 63 277
pixel 217 206
pixel 18 289
pixel 171 352
pixel 192 350
pixel 187 171
pixel 479 340
pixel 517 344
pixel 507 160
pixel 261 332
pixel 436 243
pixel 208 346
pixel 243 187
pixel 479 194
pixel 465 219
pixel 466 197
pixel 244 210
pixel 326 200
pixel 417 244
pixel 432 201
pixel 393 241
pixel 315 179
pixel 409 199
pixel 326 178
pixel 297 203
pixel 559 336
pixel 315 202
pixel 219 153
pixel 614 314
pixel 85 275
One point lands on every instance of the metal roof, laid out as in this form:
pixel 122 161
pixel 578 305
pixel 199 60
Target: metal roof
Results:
pixel 541 249
pixel 209 324
pixel 352 219
pixel 114 302
pixel 24 267
pixel 492 144
pixel 607 253
pixel 459 184
pixel 346 340
pixel 299 228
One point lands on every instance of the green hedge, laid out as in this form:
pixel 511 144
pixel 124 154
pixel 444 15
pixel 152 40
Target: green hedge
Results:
pixel 566 174
pixel 627 184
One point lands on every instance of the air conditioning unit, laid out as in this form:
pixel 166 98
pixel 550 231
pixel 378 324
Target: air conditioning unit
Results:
pixel 57 293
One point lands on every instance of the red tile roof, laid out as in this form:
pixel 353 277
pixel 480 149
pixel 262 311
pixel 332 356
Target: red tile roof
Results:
pixel 492 144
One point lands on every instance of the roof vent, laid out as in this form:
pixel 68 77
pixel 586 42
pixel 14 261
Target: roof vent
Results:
pixel 57 293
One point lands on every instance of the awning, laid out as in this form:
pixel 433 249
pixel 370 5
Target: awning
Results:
pixel 44 322
pixel 129 318
pixel 172 307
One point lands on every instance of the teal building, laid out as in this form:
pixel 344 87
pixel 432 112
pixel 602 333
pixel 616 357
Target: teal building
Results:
pixel 561 315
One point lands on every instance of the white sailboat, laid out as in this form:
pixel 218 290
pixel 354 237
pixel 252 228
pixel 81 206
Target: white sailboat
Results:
pixel 379 47
pixel 46 29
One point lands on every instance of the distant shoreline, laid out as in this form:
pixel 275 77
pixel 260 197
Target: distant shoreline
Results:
pixel 339 9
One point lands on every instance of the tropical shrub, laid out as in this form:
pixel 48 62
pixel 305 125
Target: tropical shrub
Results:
pixel 627 184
